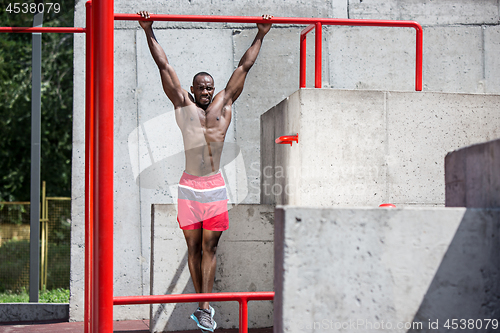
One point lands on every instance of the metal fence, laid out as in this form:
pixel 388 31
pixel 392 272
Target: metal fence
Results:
pixel 55 229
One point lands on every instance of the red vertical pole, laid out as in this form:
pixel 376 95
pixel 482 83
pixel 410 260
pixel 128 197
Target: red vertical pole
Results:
pixel 103 26
pixel 89 164
pixel 419 59
pixel 303 55
pixel 243 315
pixel 318 51
pixel 302 66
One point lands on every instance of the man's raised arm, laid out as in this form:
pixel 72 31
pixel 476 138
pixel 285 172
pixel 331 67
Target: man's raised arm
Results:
pixel 169 79
pixel 235 85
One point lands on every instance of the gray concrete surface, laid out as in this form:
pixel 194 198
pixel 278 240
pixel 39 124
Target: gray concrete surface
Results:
pixel 384 269
pixel 365 148
pixel 29 312
pixel 472 176
pixel 461 47
pixel 244 263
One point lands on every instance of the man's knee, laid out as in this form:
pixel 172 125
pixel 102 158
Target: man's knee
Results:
pixel 194 246
pixel 210 247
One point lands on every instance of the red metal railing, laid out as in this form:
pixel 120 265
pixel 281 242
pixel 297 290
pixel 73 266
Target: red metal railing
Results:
pixel 241 297
pixel 380 23
pixel 316 23
pixel 99 298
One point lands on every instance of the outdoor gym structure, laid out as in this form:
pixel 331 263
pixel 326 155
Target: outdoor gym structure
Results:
pixel 99 30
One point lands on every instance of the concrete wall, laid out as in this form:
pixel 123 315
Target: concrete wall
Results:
pixel 472 176
pixel 377 270
pixel 244 263
pixel 362 148
pixel 461 44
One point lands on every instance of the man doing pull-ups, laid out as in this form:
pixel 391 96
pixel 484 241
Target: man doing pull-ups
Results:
pixel 203 120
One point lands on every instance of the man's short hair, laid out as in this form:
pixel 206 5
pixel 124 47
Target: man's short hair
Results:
pixel 202 73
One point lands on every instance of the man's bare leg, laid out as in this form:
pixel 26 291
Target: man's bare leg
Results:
pixel 194 241
pixel 208 262
pixel 202 265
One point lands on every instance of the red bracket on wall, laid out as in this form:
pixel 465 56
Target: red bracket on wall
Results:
pixel 287 139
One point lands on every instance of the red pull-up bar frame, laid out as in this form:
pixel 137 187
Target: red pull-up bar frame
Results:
pixel 314 23
pixel 99 298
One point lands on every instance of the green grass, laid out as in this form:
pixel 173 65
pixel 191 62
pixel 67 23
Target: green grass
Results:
pixel 46 296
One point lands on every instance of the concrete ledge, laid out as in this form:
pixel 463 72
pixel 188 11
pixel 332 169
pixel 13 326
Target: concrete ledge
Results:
pixel 363 148
pixel 367 266
pixel 28 312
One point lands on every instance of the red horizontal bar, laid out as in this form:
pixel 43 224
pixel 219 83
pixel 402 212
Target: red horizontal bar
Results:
pixel 306 30
pixel 274 20
pixel 188 298
pixel 42 29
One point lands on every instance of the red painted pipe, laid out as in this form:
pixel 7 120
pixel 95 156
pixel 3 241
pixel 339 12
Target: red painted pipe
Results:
pixel 259 19
pixel 103 40
pixel 419 59
pixel 42 29
pixel 189 298
pixel 242 297
pixel 303 52
pixel 318 50
pixel 298 20
pixel 89 164
pixel 244 315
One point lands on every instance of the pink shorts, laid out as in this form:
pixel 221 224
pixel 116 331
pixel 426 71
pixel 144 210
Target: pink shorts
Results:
pixel 202 203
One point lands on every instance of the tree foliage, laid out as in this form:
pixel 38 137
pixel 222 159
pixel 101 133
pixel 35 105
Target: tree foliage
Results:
pixel 15 104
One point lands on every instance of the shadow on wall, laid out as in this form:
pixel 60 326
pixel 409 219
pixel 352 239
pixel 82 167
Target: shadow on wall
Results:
pixel 467 282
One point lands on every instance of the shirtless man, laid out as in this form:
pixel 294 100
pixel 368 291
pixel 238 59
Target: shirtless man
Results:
pixel 203 120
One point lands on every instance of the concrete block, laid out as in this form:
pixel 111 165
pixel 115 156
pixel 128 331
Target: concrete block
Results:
pixel 267 83
pixel 29 312
pixel 78 183
pixel 369 147
pixel 471 176
pixel 265 170
pixel 372 58
pixel 421 129
pixel 129 265
pixel 382 269
pixel 453 60
pixel 427 12
pixel 340 9
pixel 339 157
pixel 492 63
pixel 244 263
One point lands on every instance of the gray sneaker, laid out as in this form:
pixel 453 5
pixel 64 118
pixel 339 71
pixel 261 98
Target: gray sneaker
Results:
pixel 204 319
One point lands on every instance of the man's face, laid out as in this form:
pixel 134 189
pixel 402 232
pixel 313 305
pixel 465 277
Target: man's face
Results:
pixel 203 90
